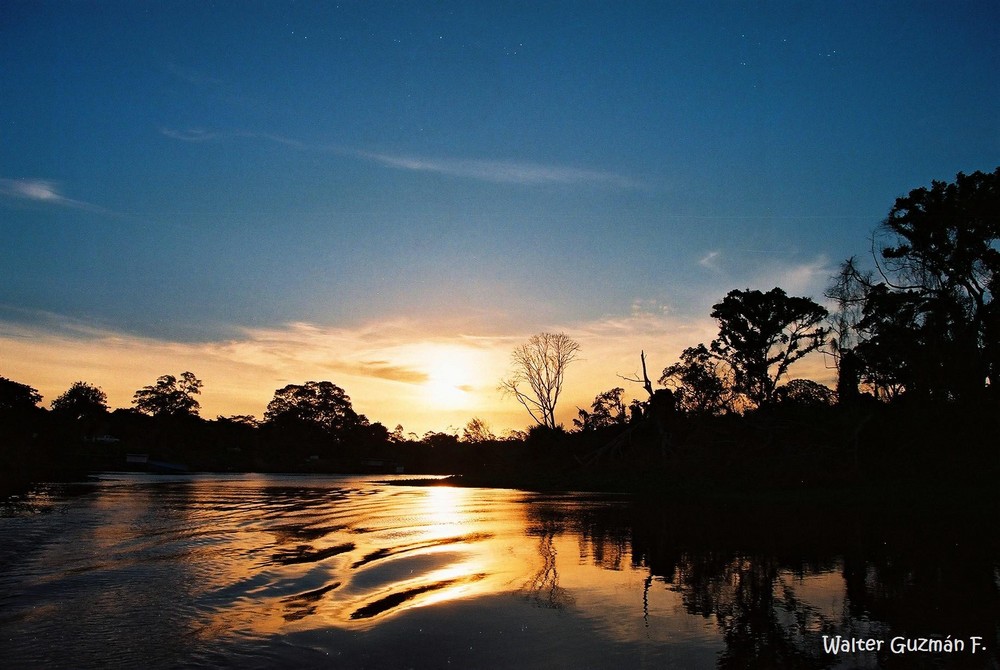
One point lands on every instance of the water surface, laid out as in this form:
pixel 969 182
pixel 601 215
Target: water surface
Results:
pixel 264 571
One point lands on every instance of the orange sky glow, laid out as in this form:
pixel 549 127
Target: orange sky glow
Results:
pixel 396 372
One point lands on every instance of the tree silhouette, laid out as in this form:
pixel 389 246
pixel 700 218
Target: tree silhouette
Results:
pixel 927 322
pixel 322 405
pixel 805 392
pixel 170 396
pixel 18 408
pixel 477 431
pixel 945 258
pixel 81 401
pixel 702 384
pixel 608 409
pixel 540 365
pixel 762 334
pixel 17 398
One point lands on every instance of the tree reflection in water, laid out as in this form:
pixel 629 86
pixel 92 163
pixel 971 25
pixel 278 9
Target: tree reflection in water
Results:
pixel 761 628
pixel 543 587
pixel 754 570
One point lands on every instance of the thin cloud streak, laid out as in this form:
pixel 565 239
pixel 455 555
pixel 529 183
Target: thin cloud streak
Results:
pixel 199 135
pixel 493 171
pixel 710 260
pixel 395 373
pixel 809 278
pixel 506 172
pixel 44 191
pixel 763 270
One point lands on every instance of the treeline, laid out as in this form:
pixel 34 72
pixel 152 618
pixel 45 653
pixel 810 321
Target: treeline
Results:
pixel 310 427
pixel 914 339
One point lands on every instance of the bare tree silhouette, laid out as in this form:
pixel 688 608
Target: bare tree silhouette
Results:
pixel 540 365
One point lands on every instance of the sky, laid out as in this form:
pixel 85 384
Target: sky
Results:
pixel 392 195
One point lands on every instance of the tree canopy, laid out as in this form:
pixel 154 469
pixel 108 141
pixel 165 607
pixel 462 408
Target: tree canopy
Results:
pixel 322 405
pixel 806 393
pixel 762 334
pixel 945 259
pixel 81 401
pixel 170 396
pixel 701 382
pixel 608 409
pixel 17 397
pixel 926 323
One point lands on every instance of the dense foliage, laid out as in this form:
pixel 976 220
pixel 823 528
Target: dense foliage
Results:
pixel 924 323
pixel 170 396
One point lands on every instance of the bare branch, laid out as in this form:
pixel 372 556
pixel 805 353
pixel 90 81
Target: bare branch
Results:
pixel 541 365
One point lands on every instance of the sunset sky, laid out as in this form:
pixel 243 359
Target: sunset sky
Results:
pixel 392 195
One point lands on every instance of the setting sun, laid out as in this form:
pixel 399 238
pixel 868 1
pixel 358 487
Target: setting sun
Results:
pixel 449 380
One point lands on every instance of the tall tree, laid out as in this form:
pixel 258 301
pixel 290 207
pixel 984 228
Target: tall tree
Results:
pixel 875 335
pixel 170 396
pixel 943 252
pixel 762 334
pixel 322 405
pixel 927 323
pixel 81 401
pixel 539 368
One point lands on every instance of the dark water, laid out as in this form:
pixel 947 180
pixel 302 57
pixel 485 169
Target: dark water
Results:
pixel 283 571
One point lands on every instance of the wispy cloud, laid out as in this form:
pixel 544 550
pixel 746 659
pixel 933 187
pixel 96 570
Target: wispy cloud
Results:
pixel 31 189
pixel 495 171
pixel 196 135
pixel 762 269
pixel 807 278
pixel 44 191
pixel 710 260
pixel 509 172
pixel 396 373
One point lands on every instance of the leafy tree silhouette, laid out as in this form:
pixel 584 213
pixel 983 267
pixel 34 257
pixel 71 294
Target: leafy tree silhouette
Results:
pixel 702 384
pixel 170 396
pixel 323 405
pixel 82 401
pixel 927 323
pixel 17 397
pixel 762 334
pixel 607 410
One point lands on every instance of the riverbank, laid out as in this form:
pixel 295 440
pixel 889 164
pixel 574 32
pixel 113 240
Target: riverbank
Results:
pixel 787 454
pixel 651 490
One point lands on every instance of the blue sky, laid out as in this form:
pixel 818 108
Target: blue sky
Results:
pixel 195 174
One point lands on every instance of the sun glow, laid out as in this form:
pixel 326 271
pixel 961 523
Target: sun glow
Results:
pixel 449 382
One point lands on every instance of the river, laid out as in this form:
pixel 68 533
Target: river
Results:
pixel 133 570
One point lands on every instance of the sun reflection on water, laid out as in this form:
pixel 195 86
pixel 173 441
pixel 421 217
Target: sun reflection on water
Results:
pixel 239 566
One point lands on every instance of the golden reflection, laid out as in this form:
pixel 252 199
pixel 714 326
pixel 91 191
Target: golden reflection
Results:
pixel 274 555
pixel 442 506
